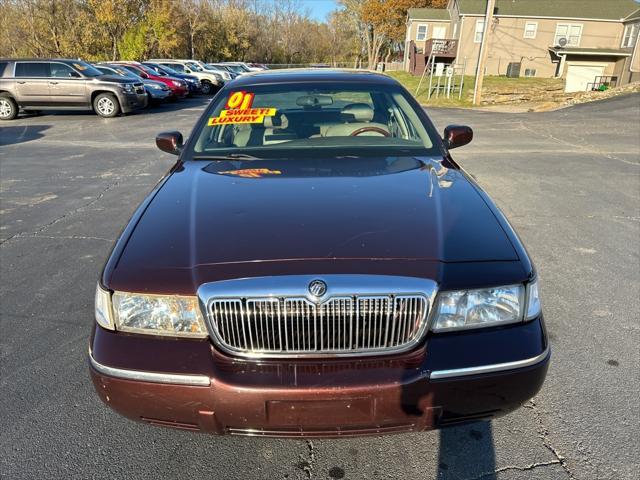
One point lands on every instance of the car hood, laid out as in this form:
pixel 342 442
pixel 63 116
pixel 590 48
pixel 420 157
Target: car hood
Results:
pixel 261 212
pixel 116 79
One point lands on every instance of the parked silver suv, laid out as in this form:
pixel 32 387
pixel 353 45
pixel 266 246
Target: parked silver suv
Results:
pixel 62 84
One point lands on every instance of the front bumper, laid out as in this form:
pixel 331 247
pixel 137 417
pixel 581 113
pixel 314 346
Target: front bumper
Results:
pixel 159 94
pixel 130 102
pixel 454 378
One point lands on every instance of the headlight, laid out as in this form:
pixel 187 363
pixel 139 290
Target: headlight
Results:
pixel 158 314
pixel 176 83
pixel 191 80
pixel 127 87
pixel 104 316
pixel 154 86
pixel 465 309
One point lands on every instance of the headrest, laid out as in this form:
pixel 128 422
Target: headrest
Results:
pixel 277 121
pixel 357 112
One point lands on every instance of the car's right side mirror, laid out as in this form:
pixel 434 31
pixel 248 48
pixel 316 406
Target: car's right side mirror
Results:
pixel 170 142
pixel 457 136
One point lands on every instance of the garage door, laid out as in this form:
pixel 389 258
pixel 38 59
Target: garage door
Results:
pixel 579 75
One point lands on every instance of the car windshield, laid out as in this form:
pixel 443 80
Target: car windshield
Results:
pixel 86 69
pixel 194 66
pixel 150 71
pixel 280 119
pixel 168 70
pixel 126 73
pixel 235 68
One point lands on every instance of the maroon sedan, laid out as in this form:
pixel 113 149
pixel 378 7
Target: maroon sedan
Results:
pixel 317 264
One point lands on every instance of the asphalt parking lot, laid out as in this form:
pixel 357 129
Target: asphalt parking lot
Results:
pixel 569 181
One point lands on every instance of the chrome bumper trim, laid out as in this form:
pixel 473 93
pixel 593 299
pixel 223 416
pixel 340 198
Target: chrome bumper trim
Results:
pixel 142 376
pixel 496 367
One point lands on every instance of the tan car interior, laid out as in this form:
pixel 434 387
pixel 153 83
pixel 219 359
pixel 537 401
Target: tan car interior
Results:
pixel 355 119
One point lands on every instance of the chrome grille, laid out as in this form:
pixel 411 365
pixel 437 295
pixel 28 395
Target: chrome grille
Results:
pixel 340 325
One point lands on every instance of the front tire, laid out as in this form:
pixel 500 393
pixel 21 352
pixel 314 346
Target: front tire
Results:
pixel 8 107
pixel 106 105
pixel 206 88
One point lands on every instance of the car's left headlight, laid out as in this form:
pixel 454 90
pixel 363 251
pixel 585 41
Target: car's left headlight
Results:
pixel 171 315
pixel 155 86
pixel 127 88
pixel 467 309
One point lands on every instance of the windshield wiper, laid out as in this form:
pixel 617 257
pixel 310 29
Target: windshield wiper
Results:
pixel 230 156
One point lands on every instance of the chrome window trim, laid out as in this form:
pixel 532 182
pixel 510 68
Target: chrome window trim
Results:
pixel 496 367
pixel 154 377
pixel 296 286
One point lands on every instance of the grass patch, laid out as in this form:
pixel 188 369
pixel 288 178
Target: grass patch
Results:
pixel 492 84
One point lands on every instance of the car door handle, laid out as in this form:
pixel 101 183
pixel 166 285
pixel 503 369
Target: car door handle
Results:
pixel 22 83
pixel 53 83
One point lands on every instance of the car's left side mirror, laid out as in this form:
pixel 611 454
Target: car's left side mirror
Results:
pixel 170 142
pixel 457 136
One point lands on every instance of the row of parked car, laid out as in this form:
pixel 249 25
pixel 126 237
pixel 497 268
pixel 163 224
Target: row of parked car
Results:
pixel 107 88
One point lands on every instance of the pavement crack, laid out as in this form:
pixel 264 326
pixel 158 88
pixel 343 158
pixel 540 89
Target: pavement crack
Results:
pixel 66 215
pixel 307 464
pixel 531 466
pixel 584 147
pixel 543 433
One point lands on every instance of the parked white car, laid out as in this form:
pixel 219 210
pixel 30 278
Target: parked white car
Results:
pixel 210 81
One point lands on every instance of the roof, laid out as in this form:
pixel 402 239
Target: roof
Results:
pixel 429 14
pixel 611 52
pixel 302 75
pixel 606 10
pixel 634 16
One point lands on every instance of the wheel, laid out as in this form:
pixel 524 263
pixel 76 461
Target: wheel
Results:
pixel 106 105
pixel 8 107
pixel 206 88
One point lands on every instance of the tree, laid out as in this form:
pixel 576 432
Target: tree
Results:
pixel 115 17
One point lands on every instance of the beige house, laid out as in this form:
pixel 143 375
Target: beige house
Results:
pixel 587 42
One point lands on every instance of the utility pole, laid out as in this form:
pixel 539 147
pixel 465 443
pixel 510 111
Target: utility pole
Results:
pixel 484 48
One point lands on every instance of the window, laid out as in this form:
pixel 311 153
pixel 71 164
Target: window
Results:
pixel 571 32
pixel 630 35
pixel 530 29
pixel 32 69
pixel 479 31
pixel 60 70
pixel 422 32
pixel 3 65
pixel 174 66
pixel 313 117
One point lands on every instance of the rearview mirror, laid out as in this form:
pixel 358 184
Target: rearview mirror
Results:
pixel 170 142
pixel 457 135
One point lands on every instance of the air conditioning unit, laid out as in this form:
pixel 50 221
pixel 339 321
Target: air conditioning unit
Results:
pixel 513 69
pixel 529 72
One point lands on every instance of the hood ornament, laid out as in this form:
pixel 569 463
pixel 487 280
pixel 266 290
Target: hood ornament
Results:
pixel 317 288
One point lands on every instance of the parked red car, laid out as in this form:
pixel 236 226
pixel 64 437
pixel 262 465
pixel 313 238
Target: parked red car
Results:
pixel 178 87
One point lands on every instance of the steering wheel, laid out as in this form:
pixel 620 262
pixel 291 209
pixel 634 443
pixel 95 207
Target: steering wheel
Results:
pixel 379 130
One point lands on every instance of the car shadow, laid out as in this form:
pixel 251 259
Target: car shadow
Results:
pixel 164 107
pixel 19 134
pixel 467 451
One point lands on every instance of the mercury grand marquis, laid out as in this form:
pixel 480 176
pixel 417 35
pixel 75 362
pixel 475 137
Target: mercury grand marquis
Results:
pixel 317 264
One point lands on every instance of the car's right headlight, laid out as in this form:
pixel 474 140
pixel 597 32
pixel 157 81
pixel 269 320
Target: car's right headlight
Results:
pixel 488 307
pixel 154 86
pixel 173 315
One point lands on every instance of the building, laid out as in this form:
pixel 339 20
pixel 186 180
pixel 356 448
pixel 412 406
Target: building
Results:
pixel 579 40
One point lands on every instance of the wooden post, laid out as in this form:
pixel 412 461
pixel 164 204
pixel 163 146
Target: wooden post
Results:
pixel 484 48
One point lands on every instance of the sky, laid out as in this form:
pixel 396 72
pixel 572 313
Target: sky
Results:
pixel 319 9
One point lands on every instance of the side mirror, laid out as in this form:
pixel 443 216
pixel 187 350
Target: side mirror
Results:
pixel 143 75
pixel 457 135
pixel 170 142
